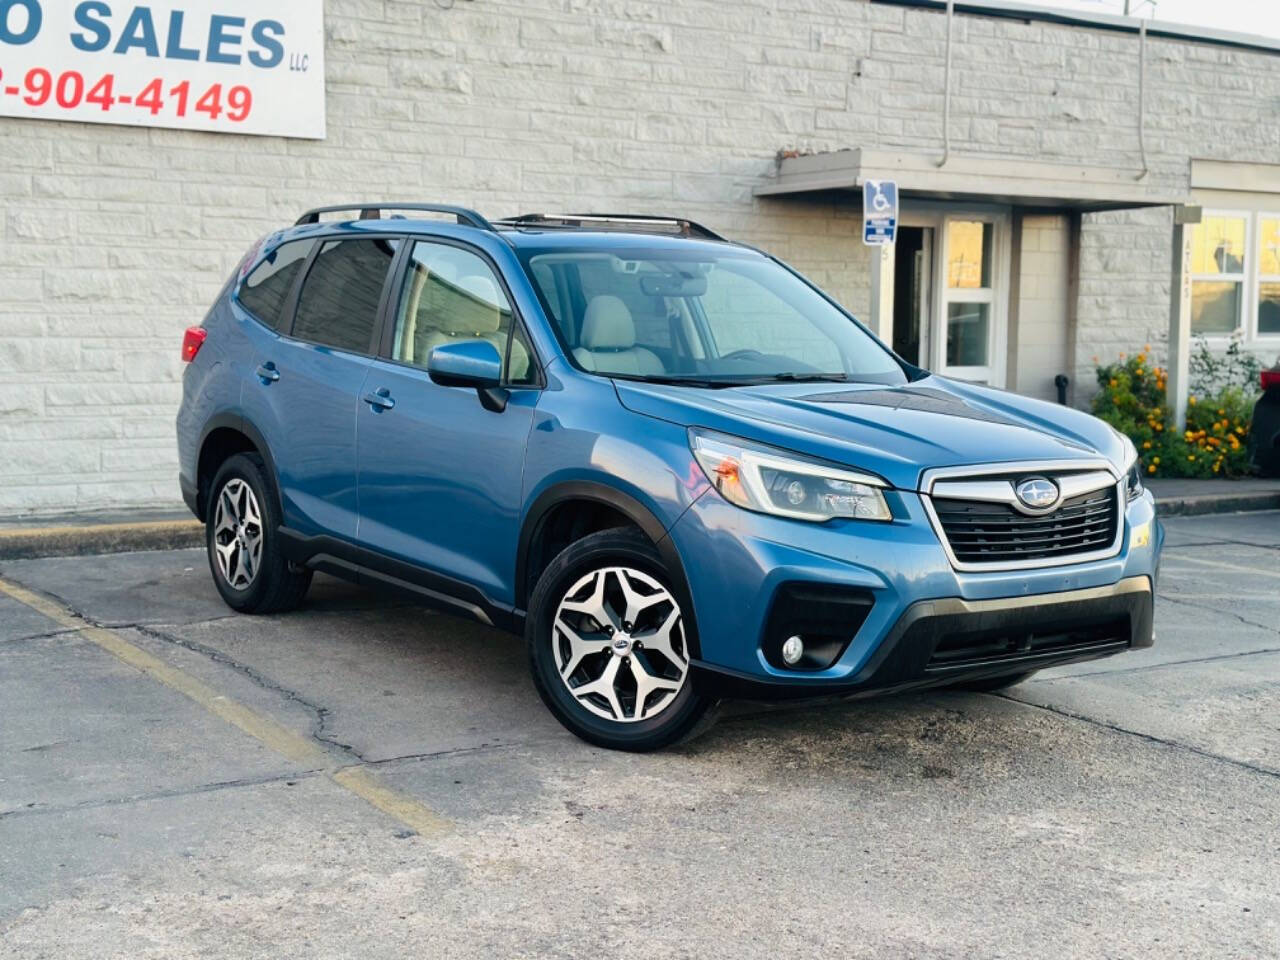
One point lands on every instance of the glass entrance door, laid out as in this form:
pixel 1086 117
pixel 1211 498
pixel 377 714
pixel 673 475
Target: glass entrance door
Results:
pixel 968 342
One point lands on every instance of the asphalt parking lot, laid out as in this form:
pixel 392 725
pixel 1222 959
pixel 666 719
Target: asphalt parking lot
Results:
pixel 364 778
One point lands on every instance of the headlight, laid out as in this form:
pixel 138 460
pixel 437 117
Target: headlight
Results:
pixel 1132 467
pixel 1133 483
pixel 766 480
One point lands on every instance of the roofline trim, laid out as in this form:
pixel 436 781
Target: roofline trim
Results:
pixel 1101 21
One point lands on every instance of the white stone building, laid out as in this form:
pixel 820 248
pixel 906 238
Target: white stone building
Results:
pixel 1047 236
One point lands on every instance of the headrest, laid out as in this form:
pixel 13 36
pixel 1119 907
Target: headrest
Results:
pixel 608 325
pixel 486 316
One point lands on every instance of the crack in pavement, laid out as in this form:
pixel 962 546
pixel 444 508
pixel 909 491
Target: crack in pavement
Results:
pixel 37 809
pixel 1157 666
pixel 1150 738
pixel 322 714
pixel 41 636
pixel 1174 598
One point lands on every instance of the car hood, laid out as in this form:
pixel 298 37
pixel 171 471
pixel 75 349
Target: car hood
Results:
pixel 895 432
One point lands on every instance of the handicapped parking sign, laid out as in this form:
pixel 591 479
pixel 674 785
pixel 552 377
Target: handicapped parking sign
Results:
pixel 879 212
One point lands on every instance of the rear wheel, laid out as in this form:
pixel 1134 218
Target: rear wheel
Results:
pixel 243 541
pixel 609 644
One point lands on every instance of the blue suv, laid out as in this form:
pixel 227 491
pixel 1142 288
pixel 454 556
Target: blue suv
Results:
pixel 680 470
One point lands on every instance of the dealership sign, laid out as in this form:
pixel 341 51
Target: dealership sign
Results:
pixel 230 66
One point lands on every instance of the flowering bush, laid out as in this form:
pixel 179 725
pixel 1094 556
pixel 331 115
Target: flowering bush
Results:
pixel 1132 400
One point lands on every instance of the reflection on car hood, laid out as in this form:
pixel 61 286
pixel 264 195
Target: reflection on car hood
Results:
pixel 895 432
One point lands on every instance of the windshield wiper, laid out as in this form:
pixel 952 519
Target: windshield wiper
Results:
pixel 802 378
pixel 686 381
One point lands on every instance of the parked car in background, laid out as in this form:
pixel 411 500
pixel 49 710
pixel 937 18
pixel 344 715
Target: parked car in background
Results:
pixel 1264 431
pixel 674 465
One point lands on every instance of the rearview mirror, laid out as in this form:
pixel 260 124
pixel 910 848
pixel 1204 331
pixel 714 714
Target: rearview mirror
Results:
pixel 470 363
pixel 673 285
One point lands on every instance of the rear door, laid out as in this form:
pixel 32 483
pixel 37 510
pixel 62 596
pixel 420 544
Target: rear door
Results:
pixel 306 387
pixel 440 475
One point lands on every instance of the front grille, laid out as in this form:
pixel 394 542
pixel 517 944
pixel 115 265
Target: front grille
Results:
pixel 981 532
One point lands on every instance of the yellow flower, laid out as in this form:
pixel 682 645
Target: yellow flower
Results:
pixel 1155 460
pixel 1151 469
pixel 1191 456
pixel 1191 400
pixel 1146 444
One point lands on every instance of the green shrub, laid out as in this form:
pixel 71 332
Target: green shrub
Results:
pixel 1132 399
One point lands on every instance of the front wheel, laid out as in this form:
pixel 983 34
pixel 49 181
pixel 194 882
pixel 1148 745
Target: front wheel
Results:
pixel 609 645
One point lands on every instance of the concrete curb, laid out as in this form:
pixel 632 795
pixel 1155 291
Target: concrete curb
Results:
pixel 1208 504
pixel 25 543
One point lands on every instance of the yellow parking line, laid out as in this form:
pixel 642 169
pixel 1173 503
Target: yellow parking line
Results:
pixel 288 743
pixel 1255 571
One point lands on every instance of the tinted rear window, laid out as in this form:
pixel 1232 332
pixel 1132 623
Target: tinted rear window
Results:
pixel 339 302
pixel 265 292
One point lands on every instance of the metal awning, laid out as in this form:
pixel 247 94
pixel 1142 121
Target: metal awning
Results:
pixel 1032 183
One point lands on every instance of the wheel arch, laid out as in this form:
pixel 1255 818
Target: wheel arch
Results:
pixel 531 559
pixel 225 435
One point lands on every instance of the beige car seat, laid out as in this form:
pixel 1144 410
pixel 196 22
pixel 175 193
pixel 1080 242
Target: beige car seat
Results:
pixel 608 342
pixel 441 316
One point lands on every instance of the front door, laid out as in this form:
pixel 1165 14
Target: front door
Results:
pixel 440 476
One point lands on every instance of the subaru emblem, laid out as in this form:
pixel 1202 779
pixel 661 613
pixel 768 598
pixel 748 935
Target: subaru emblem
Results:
pixel 1037 493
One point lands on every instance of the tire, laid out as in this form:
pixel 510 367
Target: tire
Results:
pixel 991 684
pixel 614 570
pixel 242 535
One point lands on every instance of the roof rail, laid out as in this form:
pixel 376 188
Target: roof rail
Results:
pixel 373 211
pixel 611 221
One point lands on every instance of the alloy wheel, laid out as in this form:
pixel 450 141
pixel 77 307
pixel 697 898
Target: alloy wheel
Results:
pixel 237 534
pixel 619 645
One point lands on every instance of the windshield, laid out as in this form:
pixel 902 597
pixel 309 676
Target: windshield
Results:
pixel 718 319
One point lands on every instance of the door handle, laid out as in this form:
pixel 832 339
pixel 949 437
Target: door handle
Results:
pixel 268 373
pixel 381 400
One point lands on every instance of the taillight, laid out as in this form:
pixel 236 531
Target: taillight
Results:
pixel 192 341
pixel 1270 378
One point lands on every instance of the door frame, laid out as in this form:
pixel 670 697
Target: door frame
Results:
pixel 933 334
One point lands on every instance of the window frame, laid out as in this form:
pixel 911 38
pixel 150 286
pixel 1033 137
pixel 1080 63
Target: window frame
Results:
pixel 379 317
pixel 385 337
pixel 1255 334
pixel 1246 318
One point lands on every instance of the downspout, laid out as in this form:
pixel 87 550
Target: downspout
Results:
pixel 1142 96
pixel 946 91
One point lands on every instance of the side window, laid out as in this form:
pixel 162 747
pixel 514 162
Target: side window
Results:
pixel 265 291
pixel 450 295
pixel 339 302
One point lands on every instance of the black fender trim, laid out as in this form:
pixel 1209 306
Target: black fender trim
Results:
pixel 362 565
pixel 234 421
pixel 629 507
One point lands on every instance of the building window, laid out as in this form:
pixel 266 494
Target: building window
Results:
pixel 1218 274
pixel 969 296
pixel 1268 275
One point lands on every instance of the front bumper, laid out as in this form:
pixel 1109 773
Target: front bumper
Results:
pixel 940 642
pixel 923 612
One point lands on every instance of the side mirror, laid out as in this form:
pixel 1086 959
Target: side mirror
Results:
pixel 470 363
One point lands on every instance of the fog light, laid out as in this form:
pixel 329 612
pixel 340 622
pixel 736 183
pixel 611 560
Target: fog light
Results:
pixel 792 651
